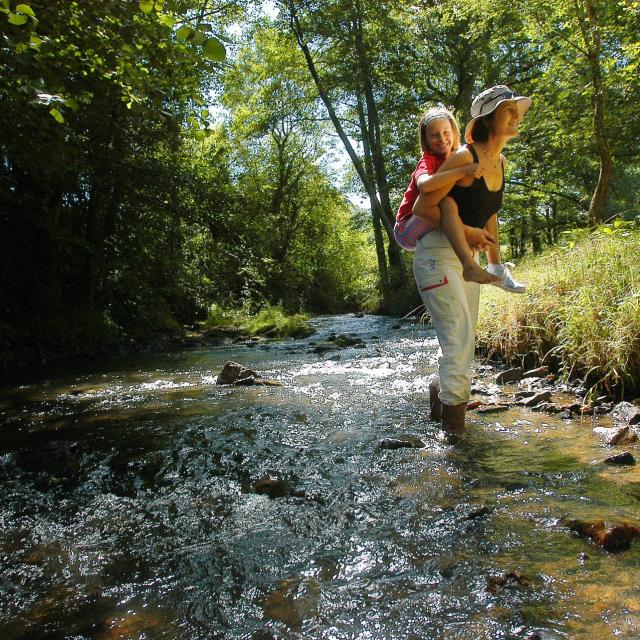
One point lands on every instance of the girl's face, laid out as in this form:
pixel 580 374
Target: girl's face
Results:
pixel 440 137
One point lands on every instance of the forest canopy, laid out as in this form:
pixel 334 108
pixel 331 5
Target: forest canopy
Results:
pixel 163 156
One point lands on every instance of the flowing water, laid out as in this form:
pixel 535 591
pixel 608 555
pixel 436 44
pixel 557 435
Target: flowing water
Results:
pixel 128 506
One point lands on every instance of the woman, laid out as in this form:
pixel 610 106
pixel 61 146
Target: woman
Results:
pixel 452 302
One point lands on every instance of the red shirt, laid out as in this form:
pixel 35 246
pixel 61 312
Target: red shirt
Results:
pixel 429 163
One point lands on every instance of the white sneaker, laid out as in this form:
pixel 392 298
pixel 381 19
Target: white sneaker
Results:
pixel 508 282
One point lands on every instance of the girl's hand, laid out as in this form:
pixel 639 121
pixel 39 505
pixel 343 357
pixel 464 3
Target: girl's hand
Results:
pixel 473 170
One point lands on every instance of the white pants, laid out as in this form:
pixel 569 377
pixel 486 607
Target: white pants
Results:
pixel 453 305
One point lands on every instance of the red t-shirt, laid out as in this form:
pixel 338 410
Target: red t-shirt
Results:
pixel 429 163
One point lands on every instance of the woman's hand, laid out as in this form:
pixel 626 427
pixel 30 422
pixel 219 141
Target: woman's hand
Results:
pixel 479 239
pixel 473 170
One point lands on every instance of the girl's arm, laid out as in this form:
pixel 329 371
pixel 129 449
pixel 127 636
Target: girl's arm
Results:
pixel 456 167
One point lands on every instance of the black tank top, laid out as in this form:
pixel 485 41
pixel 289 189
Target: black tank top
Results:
pixel 476 203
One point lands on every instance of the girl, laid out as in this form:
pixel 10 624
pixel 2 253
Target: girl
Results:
pixel 439 137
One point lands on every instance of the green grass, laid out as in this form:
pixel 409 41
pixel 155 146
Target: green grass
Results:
pixel 581 309
pixel 269 321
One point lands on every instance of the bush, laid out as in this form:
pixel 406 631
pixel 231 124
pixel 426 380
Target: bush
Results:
pixel 582 307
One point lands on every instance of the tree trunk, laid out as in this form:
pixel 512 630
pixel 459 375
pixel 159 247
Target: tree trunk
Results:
pixel 591 37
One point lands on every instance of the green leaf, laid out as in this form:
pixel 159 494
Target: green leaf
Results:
pixel 26 10
pixel 167 20
pixel 205 113
pixel 5 4
pixel 214 50
pixel 128 48
pixel 146 6
pixel 185 32
pixel 197 37
pixel 56 115
pixel 14 18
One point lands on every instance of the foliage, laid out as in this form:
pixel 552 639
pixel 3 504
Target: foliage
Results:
pixel 582 308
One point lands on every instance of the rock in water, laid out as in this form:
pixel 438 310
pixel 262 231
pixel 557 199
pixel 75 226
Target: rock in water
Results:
pixel 626 413
pixel 510 375
pixel 611 536
pixel 232 372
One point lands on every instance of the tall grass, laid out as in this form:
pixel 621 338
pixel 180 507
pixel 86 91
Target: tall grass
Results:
pixel 581 311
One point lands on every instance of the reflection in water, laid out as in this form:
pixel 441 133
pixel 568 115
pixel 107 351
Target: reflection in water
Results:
pixel 129 505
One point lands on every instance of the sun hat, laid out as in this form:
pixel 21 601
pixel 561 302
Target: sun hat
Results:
pixel 489 100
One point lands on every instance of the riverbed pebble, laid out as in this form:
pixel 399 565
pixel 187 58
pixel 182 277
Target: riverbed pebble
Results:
pixel 626 413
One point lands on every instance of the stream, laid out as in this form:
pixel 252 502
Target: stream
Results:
pixel 129 508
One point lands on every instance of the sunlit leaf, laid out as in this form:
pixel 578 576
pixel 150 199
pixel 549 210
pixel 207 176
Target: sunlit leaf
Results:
pixel 17 19
pixel 56 115
pixel 146 6
pixel 167 20
pixel 185 32
pixel 26 10
pixel 214 50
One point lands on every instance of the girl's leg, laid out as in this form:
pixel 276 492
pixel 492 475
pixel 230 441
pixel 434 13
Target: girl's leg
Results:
pixel 454 230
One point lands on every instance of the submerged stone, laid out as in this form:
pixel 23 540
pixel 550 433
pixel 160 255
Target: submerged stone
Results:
pixel 272 488
pixel 405 442
pixel 611 536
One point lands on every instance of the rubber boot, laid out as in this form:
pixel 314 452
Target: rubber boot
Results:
pixel 453 416
pixel 435 406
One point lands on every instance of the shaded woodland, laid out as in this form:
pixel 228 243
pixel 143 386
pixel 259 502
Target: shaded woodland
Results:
pixel 159 157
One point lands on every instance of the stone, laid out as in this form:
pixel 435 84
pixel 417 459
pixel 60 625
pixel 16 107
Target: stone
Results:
pixel 232 372
pixel 616 435
pixel 540 372
pixel 493 408
pixel 547 407
pixel 511 579
pixel 519 395
pixel 626 413
pixel 347 341
pixel 611 536
pixel 623 459
pixel 510 375
pixel 435 406
pixel 543 396
pixel 272 488
pixel 405 442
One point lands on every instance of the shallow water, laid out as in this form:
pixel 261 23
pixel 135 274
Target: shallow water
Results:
pixel 127 507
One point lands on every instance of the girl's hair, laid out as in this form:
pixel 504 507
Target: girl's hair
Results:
pixel 483 127
pixel 437 113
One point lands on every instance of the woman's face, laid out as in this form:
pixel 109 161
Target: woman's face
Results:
pixel 440 137
pixel 506 120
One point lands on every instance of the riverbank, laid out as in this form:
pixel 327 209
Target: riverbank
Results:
pixel 580 314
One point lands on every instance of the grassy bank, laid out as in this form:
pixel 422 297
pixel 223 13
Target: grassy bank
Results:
pixel 581 312
pixel 269 321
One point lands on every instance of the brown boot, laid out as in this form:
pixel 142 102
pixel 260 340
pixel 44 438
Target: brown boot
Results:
pixel 435 406
pixel 453 416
